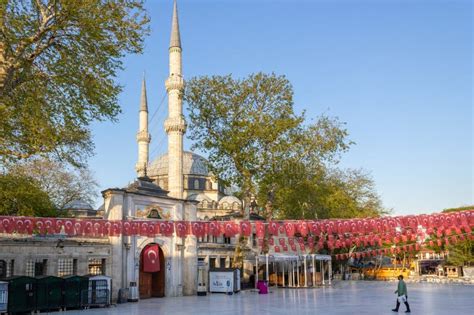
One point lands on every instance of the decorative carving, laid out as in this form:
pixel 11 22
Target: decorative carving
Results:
pixel 143 136
pixel 175 124
pixel 174 82
pixel 148 211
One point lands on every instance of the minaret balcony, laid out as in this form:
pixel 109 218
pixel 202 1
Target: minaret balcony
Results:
pixel 143 136
pixel 174 82
pixel 175 124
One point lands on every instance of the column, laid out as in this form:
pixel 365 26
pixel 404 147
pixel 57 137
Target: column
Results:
pixel 283 273
pixel 305 273
pixel 322 271
pixel 298 271
pixel 256 271
pixel 329 271
pixel 314 271
pixel 266 268
pixel 292 282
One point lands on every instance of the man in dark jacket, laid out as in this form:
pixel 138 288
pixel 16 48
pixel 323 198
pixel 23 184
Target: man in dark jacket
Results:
pixel 402 294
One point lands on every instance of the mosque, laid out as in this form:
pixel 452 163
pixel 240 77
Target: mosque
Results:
pixel 175 186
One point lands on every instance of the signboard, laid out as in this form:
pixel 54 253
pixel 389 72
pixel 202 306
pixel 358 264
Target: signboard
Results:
pixel 221 281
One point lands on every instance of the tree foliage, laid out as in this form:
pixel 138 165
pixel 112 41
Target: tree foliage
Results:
pixel 58 61
pixel 256 141
pixel 242 124
pixel 63 184
pixel 23 196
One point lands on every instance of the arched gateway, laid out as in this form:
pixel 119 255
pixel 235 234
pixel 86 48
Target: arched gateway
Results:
pixel 152 272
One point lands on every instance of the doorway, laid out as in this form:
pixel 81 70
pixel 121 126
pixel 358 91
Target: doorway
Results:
pixel 152 284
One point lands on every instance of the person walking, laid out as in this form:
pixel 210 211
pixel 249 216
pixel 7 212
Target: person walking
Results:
pixel 402 295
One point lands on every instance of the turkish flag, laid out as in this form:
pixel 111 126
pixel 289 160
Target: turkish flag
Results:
pixel 259 229
pixel 151 258
pixel 273 227
pixel 315 228
pixel 182 228
pixel 166 228
pixel 230 229
pixel 289 228
pixel 282 242
pixel 245 228
pixel 303 228
pixel 198 229
pixel 215 228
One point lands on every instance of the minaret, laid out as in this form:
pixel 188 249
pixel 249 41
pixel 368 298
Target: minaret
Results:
pixel 175 124
pixel 143 137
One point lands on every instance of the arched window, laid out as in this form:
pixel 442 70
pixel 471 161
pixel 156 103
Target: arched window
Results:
pixel 225 205
pixel 196 184
pixel 208 185
pixel 204 204
pixel 235 206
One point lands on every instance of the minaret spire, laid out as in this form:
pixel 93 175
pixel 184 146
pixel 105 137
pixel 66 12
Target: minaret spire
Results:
pixel 143 99
pixel 175 40
pixel 175 124
pixel 143 137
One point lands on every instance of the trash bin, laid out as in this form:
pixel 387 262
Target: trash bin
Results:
pixel 21 294
pixel 98 293
pixel 3 297
pixel 49 293
pixel 262 287
pixel 73 286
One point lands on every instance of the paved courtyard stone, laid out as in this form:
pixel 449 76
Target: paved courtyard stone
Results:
pixel 345 297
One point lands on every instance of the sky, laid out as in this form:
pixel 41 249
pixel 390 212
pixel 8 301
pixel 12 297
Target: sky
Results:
pixel 398 73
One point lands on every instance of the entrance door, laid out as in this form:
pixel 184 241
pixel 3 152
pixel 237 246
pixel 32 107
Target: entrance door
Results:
pixel 152 284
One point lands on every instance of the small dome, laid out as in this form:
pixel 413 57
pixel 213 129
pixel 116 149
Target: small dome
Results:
pixel 230 202
pixel 193 164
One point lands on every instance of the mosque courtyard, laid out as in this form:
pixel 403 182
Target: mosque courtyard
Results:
pixel 344 297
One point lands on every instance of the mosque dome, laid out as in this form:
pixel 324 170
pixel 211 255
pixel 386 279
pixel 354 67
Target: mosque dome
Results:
pixel 230 202
pixel 193 164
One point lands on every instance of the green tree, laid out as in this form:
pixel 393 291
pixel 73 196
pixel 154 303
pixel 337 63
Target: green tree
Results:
pixel 251 133
pixel 63 184
pixel 58 61
pixel 23 196
pixel 243 125
pixel 256 141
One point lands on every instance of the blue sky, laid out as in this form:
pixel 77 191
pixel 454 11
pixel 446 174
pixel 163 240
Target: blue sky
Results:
pixel 399 73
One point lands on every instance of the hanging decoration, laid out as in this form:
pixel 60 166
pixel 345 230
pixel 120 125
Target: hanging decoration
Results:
pixel 368 236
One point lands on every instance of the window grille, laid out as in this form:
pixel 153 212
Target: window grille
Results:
pixel 96 266
pixel 65 267
pixel 36 267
